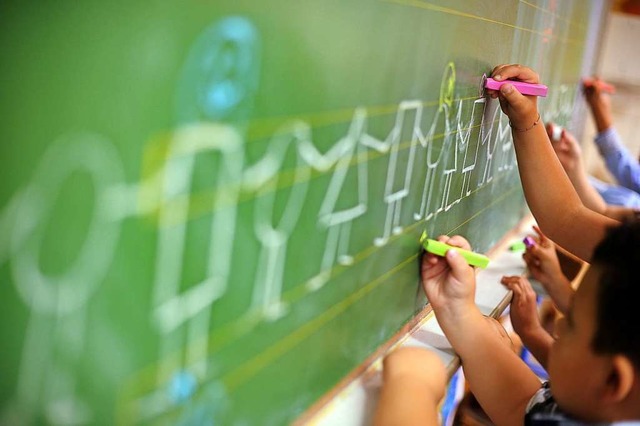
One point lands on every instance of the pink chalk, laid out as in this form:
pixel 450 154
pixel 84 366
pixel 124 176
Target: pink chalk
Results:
pixel 605 87
pixel 529 242
pixel 524 88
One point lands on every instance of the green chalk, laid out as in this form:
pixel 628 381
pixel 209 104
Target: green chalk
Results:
pixel 518 246
pixel 440 249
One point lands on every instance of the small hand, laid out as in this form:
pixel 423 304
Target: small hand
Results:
pixel 544 266
pixel 449 281
pixel 521 110
pixel 599 103
pixel 567 149
pixel 542 260
pixel 524 309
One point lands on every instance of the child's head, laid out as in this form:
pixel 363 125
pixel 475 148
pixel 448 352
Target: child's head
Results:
pixel 594 366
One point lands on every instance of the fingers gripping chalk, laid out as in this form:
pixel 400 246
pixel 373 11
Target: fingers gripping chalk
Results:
pixel 529 242
pixel 524 88
pixel 441 249
pixel 605 87
pixel 556 133
pixel 519 246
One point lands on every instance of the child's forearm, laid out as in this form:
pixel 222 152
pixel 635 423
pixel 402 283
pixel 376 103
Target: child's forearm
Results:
pixel 587 193
pixel 538 342
pixel 560 292
pixel 552 198
pixel 621 213
pixel 601 114
pixel 500 381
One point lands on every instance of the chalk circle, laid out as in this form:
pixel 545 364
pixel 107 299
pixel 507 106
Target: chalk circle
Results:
pixel 220 76
pixel 69 291
pixel 448 85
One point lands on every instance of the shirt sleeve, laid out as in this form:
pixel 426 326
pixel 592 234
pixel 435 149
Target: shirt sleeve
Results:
pixel 622 165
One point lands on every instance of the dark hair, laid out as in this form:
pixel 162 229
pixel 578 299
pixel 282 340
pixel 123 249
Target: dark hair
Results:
pixel 618 294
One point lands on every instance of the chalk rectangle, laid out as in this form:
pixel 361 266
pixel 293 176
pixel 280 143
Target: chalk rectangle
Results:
pixel 524 88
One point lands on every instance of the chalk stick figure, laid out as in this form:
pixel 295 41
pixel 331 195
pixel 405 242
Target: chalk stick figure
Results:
pixel 214 100
pixel 56 332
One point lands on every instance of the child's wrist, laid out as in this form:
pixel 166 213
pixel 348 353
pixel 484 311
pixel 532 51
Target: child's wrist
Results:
pixel 526 126
pixel 457 314
pixel 530 331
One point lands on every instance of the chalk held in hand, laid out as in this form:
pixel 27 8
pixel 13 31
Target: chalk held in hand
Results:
pixel 522 87
pixel 556 133
pixel 441 249
pixel 529 242
pixel 605 87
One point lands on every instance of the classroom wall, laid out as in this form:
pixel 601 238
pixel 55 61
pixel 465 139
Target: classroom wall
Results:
pixel 618 63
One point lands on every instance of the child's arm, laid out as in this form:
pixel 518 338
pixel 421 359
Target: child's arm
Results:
pixel 599 105
pixel 413 385
pixel 570 155
pixel 504 389
pixel 543 264
pixel 549 193
pixel 525 319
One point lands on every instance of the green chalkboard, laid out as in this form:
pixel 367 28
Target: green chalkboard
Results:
pixel 210 210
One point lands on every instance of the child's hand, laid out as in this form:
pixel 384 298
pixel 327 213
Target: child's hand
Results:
pixel 524 309
pixel 544 266
pixel 593 92
pixel 522 110
pixel 599 103
pixel 542 260
pixel 567 149
pixel 449 282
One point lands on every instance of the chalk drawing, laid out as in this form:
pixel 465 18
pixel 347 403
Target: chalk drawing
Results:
pixel 397 185
pixel 272 232
pixel 218 84
pixel 335 216
pixel 172 307
pixel 463 138
pixel 488 141
pixel 221 73
pixel 430 193
pixel 55 335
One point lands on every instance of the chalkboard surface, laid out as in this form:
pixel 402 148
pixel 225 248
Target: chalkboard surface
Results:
pixel 210 210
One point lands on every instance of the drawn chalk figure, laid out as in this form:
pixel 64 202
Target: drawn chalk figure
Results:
pixel 346 197
pixel 503 137
pixel 273 232
pixel 214 96
pixel 463 138
pixel 56 331
pixel 447 156
pixel 487 139
pixel 398 184
pixel 221 74
pixel 449 162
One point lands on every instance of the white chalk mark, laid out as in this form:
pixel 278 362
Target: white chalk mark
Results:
pixel 338 209
pixel 397 185
pixel 66 292
pixel 272 232
pixel 463 135
pixel 428 205
pixel 172 307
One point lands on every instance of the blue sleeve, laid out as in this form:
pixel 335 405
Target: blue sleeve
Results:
pixel 622 165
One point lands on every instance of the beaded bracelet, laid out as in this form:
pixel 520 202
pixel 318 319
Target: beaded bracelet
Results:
pixel 535 123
